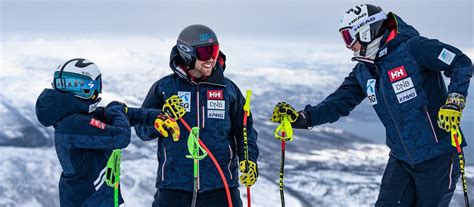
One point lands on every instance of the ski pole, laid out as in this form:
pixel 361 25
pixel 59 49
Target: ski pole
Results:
pixel 286 135
pixel 456 137
pixel 112 173
pixel 193 149
pixel 219 169
pixel 246 146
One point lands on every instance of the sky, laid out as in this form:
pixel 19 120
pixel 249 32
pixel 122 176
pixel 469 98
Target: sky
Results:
pixel 273 20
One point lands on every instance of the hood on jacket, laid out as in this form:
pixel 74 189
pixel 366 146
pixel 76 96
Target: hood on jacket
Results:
pixel 404 31
pixel 53 105
pixel 216 77
pixel 397 32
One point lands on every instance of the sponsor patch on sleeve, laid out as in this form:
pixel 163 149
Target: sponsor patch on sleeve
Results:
pixel 97 123
pixel 446 56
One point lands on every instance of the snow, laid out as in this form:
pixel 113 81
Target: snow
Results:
pixel 362 154
pixel 297 72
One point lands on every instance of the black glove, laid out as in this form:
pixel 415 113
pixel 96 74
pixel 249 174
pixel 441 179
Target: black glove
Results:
pixel 113 105
pixel 303 121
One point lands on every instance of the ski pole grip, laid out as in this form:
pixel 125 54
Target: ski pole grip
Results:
pixel 247 102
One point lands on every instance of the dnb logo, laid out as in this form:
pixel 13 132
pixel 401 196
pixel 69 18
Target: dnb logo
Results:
pixel 186 96
pixel 370 88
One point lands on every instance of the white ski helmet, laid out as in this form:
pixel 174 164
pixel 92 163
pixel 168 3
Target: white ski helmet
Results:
pixel 362 23
pixel 80 77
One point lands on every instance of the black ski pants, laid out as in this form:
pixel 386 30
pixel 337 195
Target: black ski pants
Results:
pixel 180 198
pixel 430 183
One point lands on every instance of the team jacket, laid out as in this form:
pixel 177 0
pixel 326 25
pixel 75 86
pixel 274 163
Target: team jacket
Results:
pixel 85 136
pixel 406 88
pixel 216 107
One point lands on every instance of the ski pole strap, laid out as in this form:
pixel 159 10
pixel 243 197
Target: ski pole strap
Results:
pixel 193 145
pixel 112 172
pixel 284 131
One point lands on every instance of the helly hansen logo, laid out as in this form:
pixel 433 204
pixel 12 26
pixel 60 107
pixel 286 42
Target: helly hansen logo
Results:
pixel 215 94
pixel 397 73
pixel 97 123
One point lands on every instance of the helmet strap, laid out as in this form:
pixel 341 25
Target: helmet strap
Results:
pixel 190 66
pixel 363 49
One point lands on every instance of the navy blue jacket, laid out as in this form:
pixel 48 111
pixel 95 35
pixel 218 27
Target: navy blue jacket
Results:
pixel 406 88
pixel 85 136
pixel 216 107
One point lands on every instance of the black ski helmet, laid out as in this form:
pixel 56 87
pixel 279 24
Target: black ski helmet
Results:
pixel 363 23
pixel 191 37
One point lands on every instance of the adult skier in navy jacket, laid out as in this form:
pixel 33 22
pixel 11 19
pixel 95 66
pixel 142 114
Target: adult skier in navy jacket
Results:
pixel 399 72
pixel 215 105
pixel 85 134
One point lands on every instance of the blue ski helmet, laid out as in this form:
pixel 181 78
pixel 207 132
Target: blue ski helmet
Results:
pixel 80 77
pixel 194 37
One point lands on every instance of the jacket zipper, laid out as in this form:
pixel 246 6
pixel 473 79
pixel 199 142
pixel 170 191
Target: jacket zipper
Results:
pixel 431 124
pixel 199 126
pixel 203 117
pixel 393 118
pixel 163 167
pixel 230 161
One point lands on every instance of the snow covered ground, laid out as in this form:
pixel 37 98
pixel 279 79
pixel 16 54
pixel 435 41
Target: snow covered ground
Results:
pixel 325 167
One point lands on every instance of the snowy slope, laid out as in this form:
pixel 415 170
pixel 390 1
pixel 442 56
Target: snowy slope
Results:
pixel 326 166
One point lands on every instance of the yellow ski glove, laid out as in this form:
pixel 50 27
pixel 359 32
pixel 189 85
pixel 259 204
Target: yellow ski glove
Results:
pixel 166 125
pixel 283 108
pixel 173 108
pixel 449 114
pixel 248 177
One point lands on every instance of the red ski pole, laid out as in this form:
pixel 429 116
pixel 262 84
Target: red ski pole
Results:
pixel 246 146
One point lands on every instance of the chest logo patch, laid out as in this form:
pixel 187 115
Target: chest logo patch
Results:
pixel 370 88
pixel 186 96
pixel 407 95
pixel 215 95
pixel 215 104
pixel 397 74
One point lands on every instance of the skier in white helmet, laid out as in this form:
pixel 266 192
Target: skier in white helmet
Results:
pixel 400 73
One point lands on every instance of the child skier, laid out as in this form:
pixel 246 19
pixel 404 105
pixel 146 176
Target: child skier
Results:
pixel 85 134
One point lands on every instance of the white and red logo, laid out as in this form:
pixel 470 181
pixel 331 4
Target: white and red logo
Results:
pixel 215 95
pixel 97 123
pixel 397 73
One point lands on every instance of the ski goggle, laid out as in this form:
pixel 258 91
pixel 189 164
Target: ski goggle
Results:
pixel 204 53
pixel 84 88
pixel 348 37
